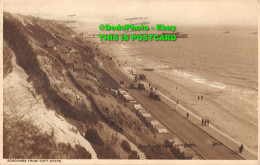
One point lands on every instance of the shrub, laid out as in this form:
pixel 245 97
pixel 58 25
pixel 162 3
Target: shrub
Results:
pixel 157 152
pixel 125 145
pixel 142 77
pixel 93 137
pixel 105 152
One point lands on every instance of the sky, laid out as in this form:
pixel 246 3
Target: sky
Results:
pixel 185 12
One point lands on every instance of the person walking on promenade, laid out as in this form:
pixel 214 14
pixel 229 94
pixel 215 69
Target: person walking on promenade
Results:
pixel 208 122
pixel 205 122
pixel 241 148
pixel 202 121
pixel 188 115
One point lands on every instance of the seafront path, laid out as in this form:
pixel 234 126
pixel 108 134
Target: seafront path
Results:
pixel 207 141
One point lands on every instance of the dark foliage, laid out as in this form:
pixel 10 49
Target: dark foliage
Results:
pixel 105 152
pixel 125 145
pixel 157 152
pixel 93 137
pixel 7 60
pixel 22 140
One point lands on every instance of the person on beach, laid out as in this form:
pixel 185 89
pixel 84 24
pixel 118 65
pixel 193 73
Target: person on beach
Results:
pixel 149 85
pixel 202 121
pixel 205 122
pixel 201 97
pixel 198 97
pixel 188 115
pixel 208 122
pixel 241 148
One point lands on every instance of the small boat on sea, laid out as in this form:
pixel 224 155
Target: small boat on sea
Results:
pixel 227 32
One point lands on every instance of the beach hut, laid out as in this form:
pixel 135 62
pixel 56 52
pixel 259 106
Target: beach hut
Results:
pixel 114 92
pixel 128 97
pixel 188 153
pixel 137 106
pixel 140 111
pixel 147 117
pixel 121 92
pixel 162 130
pixel 156 125
pixel 153 123
pixel 176 144
pixel 180 152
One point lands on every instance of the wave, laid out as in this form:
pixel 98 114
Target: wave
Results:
pixel 246 96
pixel 195 78
pixel 125 46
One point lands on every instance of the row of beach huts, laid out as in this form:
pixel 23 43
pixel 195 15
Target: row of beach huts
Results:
pixel 141 112
pixel 148 118
pixel 176 146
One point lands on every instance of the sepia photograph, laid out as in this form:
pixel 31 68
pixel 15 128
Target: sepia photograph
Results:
pixel 129 82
